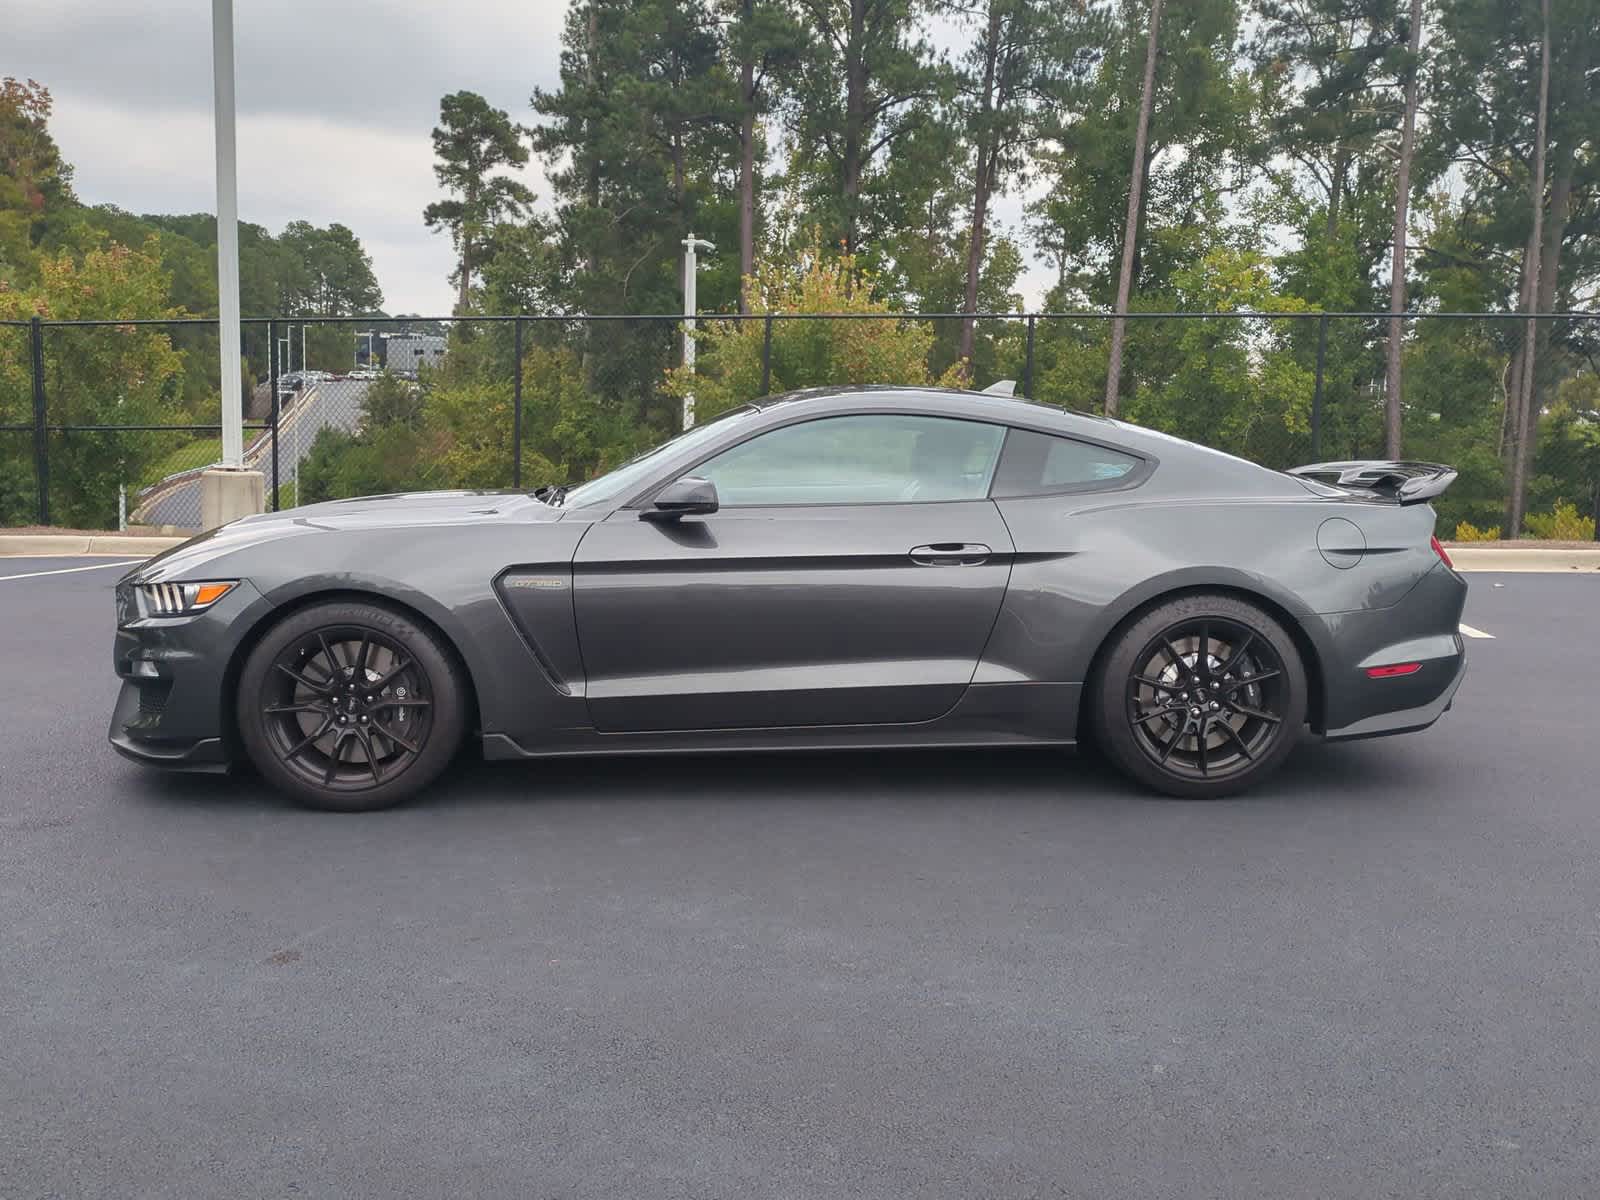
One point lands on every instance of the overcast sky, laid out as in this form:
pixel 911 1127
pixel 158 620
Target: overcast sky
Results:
pixel 336 101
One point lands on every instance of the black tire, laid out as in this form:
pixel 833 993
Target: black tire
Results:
pixel 1200 727
pixel 351 706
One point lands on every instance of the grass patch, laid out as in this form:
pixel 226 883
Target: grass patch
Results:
pixel 201 452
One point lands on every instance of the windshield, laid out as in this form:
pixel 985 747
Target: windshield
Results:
pixel 633 472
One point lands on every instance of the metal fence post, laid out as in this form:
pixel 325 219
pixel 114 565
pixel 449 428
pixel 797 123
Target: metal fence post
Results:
pixel 516 403
pixel 1027 363
pixel 1316 395
pixel 41 436
pixel 272 382
pixel 766 356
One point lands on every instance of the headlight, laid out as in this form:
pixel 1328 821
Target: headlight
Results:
pixel 181 599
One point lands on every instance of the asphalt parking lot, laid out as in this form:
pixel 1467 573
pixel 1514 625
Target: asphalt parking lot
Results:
pixel 955 974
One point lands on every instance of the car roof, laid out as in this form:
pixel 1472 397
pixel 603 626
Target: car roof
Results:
pixel 958 402
pixel 935 399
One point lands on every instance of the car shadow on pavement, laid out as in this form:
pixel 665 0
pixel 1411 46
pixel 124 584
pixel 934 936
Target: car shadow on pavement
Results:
pixel 1365 773
pixel 1316 772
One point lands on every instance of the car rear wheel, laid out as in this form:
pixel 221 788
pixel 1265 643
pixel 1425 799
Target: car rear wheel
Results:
pixel 1202 696
pixel 350 707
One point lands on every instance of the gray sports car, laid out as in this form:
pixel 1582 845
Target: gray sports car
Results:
pixel 868 567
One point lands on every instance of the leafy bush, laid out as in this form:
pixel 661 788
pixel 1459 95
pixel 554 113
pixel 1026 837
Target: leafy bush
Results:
pixel 1466 531
pixel 1563 524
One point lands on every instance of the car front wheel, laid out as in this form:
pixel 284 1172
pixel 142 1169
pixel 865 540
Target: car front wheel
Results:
pixel 1201 697
pixel 350 706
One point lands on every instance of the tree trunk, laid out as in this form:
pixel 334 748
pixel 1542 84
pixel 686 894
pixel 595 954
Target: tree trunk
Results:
pixel 855 117
pixel 1526 422
pixel 1130 230
pixel 747 167
pixel 982 185
pixel 980 206
pixel 1341 164
pixel 1513 397
pixel 591 188
pixel 464 295
pixel 1392 411
pixel 1151 151
pixel 680 176
pixel 591 183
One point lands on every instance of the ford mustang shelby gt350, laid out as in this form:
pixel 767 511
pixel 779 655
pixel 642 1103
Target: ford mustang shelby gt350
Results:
pixel 865 567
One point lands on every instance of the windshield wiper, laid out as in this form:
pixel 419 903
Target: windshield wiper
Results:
pixel 552 494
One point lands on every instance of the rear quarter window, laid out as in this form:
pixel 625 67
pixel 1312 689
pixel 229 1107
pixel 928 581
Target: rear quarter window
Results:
pixel 1037 464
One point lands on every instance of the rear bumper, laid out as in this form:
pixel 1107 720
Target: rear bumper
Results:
pixel 1406 720
pixel 1423 628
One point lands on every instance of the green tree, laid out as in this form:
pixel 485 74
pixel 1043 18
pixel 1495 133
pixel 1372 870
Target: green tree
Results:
pixel 808 353
pixel 868 77
pixel 1025 63
pixel 390 400
pixel 471 142
pixel 112 375
pixel 764 44
pixel 35 183
pixel 1487 71
pixel 1130 228
pixel 1202 146
pixel 331 275
pixel 637 140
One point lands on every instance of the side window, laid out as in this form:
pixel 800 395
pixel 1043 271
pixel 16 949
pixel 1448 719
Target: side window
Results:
pixel 867 459
pixel 1036 464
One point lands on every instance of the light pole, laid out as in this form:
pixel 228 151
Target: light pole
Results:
pixel 690 264
pixel 228 491
pixel 300 415
pixel 227 234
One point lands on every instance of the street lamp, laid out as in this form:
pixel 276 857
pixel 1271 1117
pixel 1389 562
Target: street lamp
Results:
pixel 690 245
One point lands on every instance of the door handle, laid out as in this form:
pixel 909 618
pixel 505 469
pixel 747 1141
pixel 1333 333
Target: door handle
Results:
pixel 950 554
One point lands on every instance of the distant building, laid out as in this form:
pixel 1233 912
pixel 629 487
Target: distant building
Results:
pixel 405 352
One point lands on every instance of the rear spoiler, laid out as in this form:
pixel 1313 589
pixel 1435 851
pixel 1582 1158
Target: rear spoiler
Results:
pixel 1405 482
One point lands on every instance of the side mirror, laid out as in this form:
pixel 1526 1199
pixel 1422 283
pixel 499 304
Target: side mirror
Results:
pixel 682 497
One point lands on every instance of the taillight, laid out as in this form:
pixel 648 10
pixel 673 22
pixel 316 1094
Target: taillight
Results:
pixel 1433 541
pixel 1393 669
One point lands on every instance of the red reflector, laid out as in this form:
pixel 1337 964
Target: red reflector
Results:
pixel 1439 550
pixel 1394 669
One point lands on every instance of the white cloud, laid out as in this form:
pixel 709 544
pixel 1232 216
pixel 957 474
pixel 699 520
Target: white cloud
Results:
pixel 336 103
pixel 376 181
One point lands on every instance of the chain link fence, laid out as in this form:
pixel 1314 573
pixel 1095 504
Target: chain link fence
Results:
pixel 108 425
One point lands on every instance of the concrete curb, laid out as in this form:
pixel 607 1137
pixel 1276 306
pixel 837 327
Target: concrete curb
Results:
pixel 111 545
pixel 1469 558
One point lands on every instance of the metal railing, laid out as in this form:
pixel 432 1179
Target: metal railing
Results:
pixel 111 422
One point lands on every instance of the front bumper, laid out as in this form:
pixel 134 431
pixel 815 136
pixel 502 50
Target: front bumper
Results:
pixel 173 709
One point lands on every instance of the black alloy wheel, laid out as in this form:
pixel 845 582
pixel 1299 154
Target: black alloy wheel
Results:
pixel 350 706
pixel 1206 698
pixel 1202 696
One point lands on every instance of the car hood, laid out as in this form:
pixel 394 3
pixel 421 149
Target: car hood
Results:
pixel 398 511
pixel 412 508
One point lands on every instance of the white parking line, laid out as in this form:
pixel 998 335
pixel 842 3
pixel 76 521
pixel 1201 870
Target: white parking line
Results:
pixel 1469 631
pixel 127 562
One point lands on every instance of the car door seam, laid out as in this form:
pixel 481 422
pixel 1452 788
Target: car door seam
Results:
pixel 1005 590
